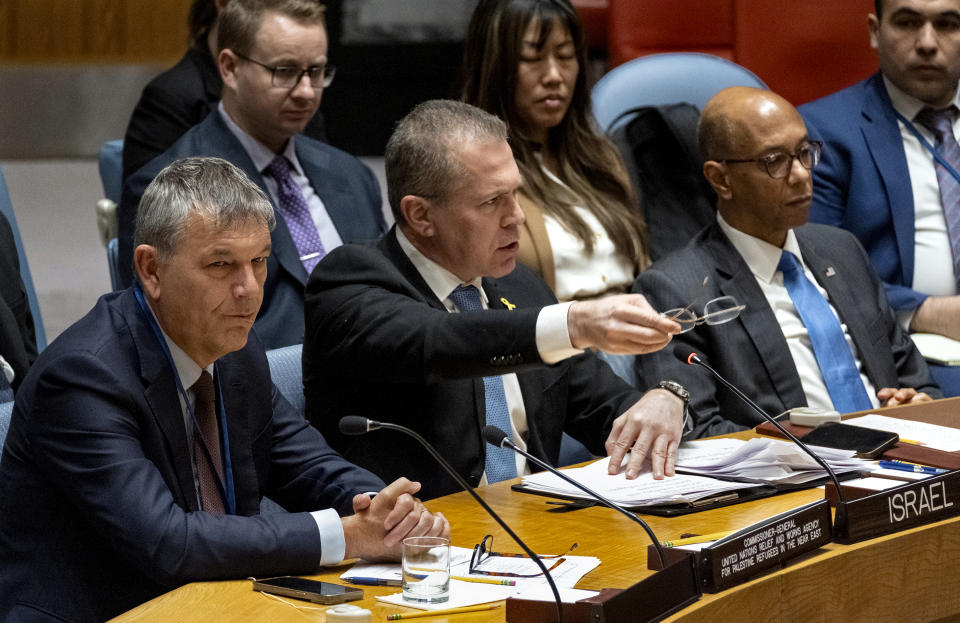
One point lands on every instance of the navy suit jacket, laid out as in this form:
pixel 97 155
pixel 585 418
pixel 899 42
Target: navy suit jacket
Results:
pixel 98 509
pixel 350 194
pixel 863 182
pixel 380 344
pixel 751 351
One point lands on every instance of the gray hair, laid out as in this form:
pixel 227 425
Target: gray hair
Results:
pixel 421 155
pixel 211 188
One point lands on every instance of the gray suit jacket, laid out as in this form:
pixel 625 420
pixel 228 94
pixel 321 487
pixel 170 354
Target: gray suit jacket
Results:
pixel 751 351
pixel 350 194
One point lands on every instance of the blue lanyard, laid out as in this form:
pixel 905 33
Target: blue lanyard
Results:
pixel 227 490
pixel 933 150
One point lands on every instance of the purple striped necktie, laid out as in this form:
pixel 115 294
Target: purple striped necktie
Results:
pixel 940 122
pixel 296 214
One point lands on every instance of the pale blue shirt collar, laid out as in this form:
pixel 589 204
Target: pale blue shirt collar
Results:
pixel 260 154
pixel 440 280
pixel 906 104
pixel 761 257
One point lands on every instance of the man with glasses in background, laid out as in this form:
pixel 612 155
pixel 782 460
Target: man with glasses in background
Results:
pixel 816 329
pixel 273 61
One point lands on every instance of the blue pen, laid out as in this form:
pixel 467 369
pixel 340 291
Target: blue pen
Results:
pixel 907 467
pixel 374 581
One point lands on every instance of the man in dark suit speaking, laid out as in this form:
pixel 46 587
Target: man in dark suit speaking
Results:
pixel 145 436
pixel 273 60
pixel 383 339
pixel 817 329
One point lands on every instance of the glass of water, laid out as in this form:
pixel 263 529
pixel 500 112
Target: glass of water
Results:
pixel 426 569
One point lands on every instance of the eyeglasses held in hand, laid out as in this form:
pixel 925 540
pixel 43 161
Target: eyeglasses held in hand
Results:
pixel 484 551
pixel 718 311
pixel 289 76
pixel 778 163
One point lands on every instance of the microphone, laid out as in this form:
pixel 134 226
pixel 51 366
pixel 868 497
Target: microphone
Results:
pixel 498 438
pixel 358 425
pixel 691 357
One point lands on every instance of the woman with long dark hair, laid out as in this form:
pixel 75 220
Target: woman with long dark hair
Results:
pixel 525 61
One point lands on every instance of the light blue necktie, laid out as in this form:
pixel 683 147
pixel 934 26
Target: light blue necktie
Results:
pixel 501 464
pixel 837 365
pixel 6 392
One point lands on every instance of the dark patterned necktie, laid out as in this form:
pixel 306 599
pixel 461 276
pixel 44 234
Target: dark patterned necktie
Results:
pixel 206 446
pixel 296 214
pixel 500 463
pixel 940 122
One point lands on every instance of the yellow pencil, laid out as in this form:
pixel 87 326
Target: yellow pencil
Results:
pixel 436 613
pixel 468 578
pixel 916 443
pixel 702 538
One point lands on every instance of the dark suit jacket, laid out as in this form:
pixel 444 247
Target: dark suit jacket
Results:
pixel 863 182
pixel 380 344
pixel 98 509
pixel 18 340
pixel 177 100
pixel 751 351
pixel 350 194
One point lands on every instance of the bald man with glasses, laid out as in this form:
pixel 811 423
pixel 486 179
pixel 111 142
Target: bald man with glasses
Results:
pixel 815 329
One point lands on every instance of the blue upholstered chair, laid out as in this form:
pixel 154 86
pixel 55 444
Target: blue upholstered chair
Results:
pixel 286 370
pixel 111 176
pixel 6 208
pixel 661 79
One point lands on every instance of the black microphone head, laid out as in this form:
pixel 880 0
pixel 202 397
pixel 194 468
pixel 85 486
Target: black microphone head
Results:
pixel 354 425
pixel 686 354
pixel 494 435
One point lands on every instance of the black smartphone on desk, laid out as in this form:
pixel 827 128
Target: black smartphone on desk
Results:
pixel 868 443
pixel 309 590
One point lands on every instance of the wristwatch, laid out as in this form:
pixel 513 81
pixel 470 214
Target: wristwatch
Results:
pixel 680 392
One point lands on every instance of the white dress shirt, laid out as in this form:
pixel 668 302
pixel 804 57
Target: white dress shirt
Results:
pixel 333 544
pixel 262 156
pixel 762 258
pixel 552 337
pixel 578 274
pixel 933 259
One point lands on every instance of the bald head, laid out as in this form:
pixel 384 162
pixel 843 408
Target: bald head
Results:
pixel 742 131
pixel 730 116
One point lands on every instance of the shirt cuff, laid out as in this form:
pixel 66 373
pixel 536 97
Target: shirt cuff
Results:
pixel 553 337
pixel 904 318
pixel 333 545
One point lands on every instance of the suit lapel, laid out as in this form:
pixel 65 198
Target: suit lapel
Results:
pixel 735 279
pixel 882 135
pixel 160 392
pixel 389 246
pixel 339 203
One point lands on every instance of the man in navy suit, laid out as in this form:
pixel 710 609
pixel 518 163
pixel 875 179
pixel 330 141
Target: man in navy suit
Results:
pixel 878 177
pixel 144 438
pixel 439 329
pixel 758 158
pixel 273 61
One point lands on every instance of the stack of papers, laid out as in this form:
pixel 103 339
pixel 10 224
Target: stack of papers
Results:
pixel 763 460
pixel 565 575
pixel 930 435
pixel 709 468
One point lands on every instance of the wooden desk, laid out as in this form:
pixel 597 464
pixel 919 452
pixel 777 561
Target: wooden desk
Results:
pixel 909 576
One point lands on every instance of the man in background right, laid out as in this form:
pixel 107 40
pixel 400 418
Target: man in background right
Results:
pixel 891 164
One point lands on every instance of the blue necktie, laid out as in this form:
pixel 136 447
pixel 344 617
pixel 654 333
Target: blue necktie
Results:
pixel 501 464
pixel 837 365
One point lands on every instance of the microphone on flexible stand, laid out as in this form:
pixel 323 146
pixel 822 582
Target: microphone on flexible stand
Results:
pixel 689 356
pixel 358 425
pixel 675 586
pixel 498 438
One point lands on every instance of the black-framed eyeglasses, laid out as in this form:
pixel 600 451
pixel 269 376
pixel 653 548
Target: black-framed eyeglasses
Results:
pixel 484 551
pixel 289 76
pixel 717 311
pixel 778 163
